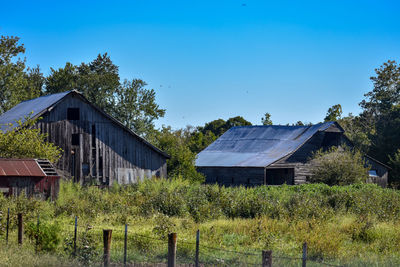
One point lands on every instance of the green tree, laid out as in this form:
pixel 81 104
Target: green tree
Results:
pixel 338 166
pixel 136 106
pixel 21 140
pixel 355 131
pixel 181 163
pixel 220 126
pixel 266 120
pixel 15 84
pixel 334 113
pixel 380 117
pixel 129 102
pixel 395 172
pixel 62 79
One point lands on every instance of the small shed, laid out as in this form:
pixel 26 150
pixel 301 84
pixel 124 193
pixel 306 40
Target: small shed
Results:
pixel 32 177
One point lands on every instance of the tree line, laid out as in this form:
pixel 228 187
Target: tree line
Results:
pixel 376 130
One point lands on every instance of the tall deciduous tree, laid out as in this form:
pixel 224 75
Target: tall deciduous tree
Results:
pixel 136 106
pixel 334 113
pixel 15 84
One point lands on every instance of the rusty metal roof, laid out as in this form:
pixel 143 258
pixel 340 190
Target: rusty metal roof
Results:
pixel 256 146
pixel 20 167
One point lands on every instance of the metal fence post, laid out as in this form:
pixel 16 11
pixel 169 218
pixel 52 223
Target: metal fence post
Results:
pixel 107 233
pixel 196 262
pixel 267 258
pixel 8 224
pixel 304 254
pixel 125 242
pixel 20 228
pixel 172 249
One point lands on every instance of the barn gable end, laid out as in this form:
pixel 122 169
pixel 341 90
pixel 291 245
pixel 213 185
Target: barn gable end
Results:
pixel 96 145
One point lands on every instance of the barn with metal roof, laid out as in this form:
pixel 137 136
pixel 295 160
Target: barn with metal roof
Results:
pixel 95 145
pixel 271 154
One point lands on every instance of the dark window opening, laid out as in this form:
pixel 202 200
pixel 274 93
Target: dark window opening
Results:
pixel 75 140
pixel 73 114
pixel 331 139
pixel 93 135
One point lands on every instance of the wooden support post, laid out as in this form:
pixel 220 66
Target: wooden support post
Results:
pixel 107 233
pixel 37 234
pixel 196 262
pixel 75 234
pixel 8 224
pixel 267 258
pixel 20 228
pixel 172 249
pixel 304 254
pixel 125 242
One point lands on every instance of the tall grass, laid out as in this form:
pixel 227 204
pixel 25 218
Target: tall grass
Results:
pixel 355 224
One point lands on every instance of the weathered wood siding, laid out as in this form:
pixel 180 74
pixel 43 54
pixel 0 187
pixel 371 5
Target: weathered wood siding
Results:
pixel 106 150
pixel 233 176
pixel 381 171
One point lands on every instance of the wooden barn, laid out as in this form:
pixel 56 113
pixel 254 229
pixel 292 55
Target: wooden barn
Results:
pixel 95 145
pixel 273 155
pixel 29 177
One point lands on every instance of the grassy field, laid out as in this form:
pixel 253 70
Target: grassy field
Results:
pixel 355 225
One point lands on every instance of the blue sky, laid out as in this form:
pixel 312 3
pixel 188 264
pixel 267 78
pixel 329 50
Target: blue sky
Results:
pixel 218 59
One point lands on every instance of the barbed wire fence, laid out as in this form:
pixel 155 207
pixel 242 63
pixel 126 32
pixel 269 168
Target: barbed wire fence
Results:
pixel 120 246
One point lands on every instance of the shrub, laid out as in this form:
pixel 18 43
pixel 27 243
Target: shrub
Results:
pixel 46 234
pixel 338 166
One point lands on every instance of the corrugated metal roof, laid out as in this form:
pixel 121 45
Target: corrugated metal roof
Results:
pixel 20 167
pixel 256 146
pixel 23 109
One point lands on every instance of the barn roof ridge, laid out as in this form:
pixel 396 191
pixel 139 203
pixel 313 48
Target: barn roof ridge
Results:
pixel 45 103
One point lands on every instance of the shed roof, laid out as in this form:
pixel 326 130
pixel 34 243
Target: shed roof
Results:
pixel 20 167
pixel 36 107
pixel 256 146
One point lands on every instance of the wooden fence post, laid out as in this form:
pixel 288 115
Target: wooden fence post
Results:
pixel 267 258
pixel 8 224
pixel 304 254
pixel 107 233
pixel 172 249
pixel 196 262
pixel 20 228
pixel 125 242
pixel 75 234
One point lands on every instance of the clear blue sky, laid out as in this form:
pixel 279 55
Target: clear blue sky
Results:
pixel 218 59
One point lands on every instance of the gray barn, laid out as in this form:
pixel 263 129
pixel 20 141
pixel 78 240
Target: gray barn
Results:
pixel 274 155
pixel 94 143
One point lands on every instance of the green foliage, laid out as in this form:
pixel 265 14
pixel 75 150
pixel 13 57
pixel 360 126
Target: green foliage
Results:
pixel 338 166
pixel 23 141
pixel 395 164
pixel 16 84
pixel 343 223
pixel 86 248
pixel 129 102
pixel 334 113
pixel 220 126
pixel 136 106
pixel 181 163
pixel 47 235
pixel 266 120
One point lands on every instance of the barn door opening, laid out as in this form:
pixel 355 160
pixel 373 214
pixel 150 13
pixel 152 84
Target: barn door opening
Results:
pixel 280 176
